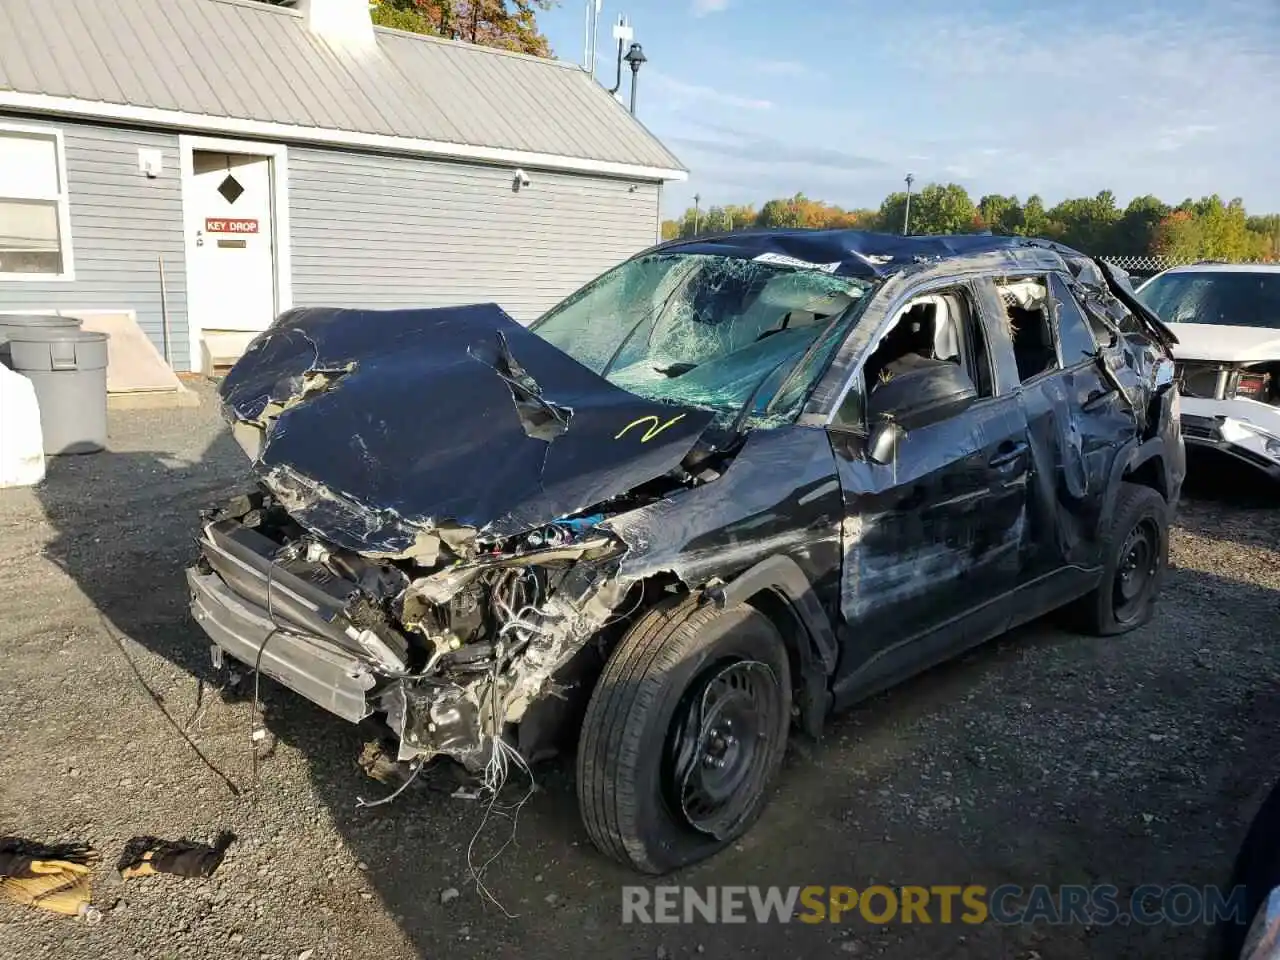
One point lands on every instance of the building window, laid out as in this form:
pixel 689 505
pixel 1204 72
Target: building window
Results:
pixel 35 227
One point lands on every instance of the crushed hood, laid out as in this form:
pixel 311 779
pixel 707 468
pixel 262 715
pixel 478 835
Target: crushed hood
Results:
pixel 382 428
pixel 1226 344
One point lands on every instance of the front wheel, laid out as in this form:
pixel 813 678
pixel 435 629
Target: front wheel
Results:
pixel 1136 552
pixel 685 730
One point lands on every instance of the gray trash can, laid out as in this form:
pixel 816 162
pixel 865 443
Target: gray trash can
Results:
pixel 69 370
pixel 12 324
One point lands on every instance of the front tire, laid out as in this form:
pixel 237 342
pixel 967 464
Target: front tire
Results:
pixel 1136 551
pixel 685 730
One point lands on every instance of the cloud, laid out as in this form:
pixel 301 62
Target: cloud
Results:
pixel 1072 102
pixel 780 68
pixel 680 93
pixel 703 7
pixel 765 150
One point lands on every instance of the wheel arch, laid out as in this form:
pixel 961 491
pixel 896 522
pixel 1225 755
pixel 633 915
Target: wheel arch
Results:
pixel 1141 462
pixel 779 589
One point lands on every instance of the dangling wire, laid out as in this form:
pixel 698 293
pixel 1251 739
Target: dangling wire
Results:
pixel 416 765
pixel 497 770
pixel 257 717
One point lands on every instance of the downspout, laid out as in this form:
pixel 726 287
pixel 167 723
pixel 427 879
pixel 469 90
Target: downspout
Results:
pixel 618 85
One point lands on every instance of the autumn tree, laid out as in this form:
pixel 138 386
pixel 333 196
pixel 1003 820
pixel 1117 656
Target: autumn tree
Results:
pixel 1135 233
pixel 1267 231
pixel 1179 235
pixel 505 24
pixel 1195 229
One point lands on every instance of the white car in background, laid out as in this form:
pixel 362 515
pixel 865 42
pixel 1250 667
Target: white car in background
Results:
pixel 1227 320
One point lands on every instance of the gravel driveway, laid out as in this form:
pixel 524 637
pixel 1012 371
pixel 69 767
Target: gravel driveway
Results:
pixel 1045 757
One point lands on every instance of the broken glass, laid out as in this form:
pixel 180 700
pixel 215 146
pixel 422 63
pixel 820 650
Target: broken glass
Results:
pixel 715 332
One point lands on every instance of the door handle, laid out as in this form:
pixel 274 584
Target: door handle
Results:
pixel 1008 454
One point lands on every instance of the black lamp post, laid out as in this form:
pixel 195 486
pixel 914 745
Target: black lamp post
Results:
pixel 906 215
pixel 635 57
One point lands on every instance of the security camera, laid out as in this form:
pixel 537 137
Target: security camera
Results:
pixel 521 180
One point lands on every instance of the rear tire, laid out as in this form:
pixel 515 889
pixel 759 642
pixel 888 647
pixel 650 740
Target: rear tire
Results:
pixel 685 730
pixel 1136 552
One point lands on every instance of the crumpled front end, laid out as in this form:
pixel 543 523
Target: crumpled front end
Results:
pixel 424 540
pixel 1244 430
pixel 449 656
pixel 1232 406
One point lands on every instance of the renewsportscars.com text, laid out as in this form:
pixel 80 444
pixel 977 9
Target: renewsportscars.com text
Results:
pixel 1101 905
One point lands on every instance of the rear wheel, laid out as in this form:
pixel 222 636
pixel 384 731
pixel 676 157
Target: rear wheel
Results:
pixel 1136 551
pixel 685 730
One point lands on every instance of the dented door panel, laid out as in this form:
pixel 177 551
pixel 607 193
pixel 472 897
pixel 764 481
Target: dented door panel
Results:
pixel 935 533
pixel 1076 427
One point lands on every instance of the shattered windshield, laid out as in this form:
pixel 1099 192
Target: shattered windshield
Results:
pixel 739 337
pixel 1233 298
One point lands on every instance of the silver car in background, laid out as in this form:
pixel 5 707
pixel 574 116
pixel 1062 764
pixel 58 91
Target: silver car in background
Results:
pixel 1227 320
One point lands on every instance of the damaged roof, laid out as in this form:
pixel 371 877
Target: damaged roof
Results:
pixel 250 68
pixel 868 255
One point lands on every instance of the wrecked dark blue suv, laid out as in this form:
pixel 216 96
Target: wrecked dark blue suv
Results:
pixel 731 485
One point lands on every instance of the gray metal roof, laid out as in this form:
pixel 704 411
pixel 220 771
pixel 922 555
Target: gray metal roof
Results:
pixel 250 61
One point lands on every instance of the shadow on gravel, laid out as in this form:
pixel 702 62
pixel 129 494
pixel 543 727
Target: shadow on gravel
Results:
pixel 1225 499
pixel 125 526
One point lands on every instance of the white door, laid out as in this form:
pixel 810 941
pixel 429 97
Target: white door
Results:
pixel 231 275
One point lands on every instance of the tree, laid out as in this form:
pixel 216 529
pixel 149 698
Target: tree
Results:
pixel 505 24
pixel 1179 235
pixel 715 220
pixel 1002 215
pixel 1034 221
pixel 1135 234
pixel 1195 229
pixel 1266 232
pixel 781 213
pixel 942 209
pixel 1086 223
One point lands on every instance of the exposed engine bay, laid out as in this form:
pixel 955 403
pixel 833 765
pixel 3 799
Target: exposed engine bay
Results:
pixel 451 653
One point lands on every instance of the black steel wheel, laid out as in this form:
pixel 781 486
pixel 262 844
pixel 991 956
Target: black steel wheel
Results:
pixel 1135 551
pixel 685 730
pixel 720 745
pixel 1137 572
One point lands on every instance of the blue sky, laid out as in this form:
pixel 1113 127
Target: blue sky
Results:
pixel 842 98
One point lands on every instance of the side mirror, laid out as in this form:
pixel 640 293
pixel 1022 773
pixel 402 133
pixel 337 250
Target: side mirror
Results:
pixel 916 398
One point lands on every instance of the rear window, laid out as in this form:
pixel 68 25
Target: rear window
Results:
pixel 1233 298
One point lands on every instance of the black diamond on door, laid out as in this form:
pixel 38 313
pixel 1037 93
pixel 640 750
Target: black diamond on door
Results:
pixel 230 189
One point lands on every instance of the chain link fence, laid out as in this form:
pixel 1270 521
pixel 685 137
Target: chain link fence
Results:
pixel 1148 265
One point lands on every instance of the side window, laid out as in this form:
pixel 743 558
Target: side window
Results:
pixel 1026 301
pixel 1074 337
pixel 936 329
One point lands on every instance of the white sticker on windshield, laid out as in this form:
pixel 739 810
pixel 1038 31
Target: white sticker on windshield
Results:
pixel 782 260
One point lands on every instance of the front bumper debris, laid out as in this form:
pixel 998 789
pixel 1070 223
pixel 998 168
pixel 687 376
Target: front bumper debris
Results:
pixel 450 657
pixel 1243 440
pixel 308 665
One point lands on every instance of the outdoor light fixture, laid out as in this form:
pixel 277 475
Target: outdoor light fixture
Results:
pixel 635 57
pixel 906 214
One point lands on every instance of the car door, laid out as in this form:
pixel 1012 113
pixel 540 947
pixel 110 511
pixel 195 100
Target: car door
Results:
pixel 932 540
pixel 1076 423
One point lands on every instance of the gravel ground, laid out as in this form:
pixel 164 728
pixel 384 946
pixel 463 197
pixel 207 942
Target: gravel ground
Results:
pixel 1045 757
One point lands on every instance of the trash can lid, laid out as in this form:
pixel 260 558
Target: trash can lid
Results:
pixel 57 335
pixel 37 320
